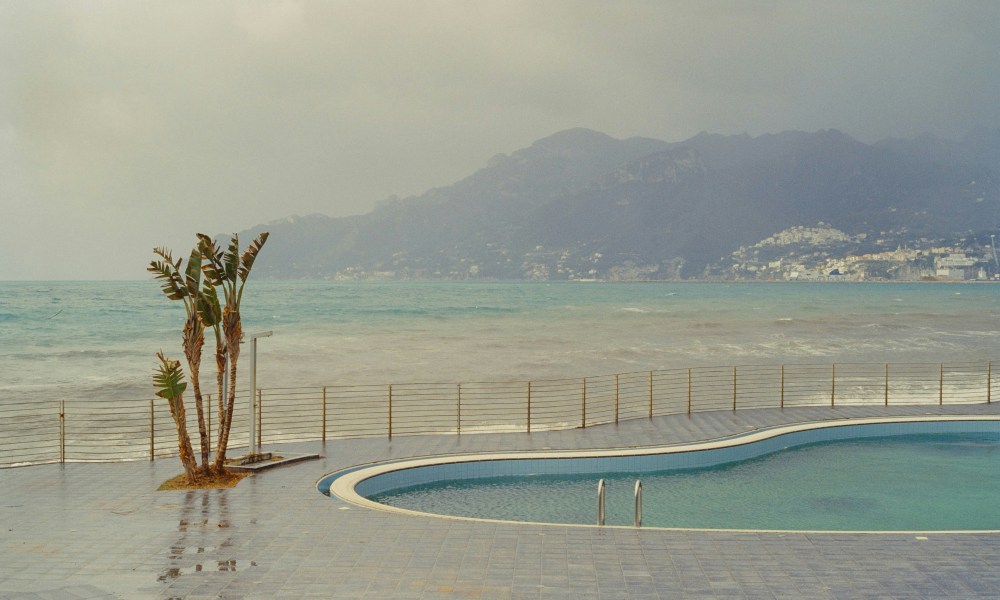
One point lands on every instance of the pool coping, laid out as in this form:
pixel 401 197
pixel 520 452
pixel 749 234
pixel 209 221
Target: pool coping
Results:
pixel 345 481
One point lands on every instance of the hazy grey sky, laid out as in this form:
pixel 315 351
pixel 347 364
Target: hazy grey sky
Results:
pixel 129 124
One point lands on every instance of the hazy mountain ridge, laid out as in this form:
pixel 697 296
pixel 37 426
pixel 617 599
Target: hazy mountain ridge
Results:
pixel 581 204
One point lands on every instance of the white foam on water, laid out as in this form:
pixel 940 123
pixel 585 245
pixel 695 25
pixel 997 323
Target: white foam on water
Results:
pixel 328 333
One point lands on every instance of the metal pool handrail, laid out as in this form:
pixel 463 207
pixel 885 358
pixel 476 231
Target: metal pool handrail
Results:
pixel 637 514
pixel 600 502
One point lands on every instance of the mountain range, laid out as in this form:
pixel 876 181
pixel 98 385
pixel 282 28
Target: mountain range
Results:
pixel 580 204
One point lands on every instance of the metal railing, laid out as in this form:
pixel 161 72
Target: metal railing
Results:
pixel 92 429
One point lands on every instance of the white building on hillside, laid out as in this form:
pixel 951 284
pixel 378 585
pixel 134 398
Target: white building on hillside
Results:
pixel 953 266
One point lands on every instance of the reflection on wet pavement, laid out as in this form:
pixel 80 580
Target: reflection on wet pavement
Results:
pixel 206 539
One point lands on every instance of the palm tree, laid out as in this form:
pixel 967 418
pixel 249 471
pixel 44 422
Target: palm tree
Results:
pixel 227 270
pixel 184 285
pixel 169 380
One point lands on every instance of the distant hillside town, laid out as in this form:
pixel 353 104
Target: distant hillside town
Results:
pixel 581 205
pixel 823 253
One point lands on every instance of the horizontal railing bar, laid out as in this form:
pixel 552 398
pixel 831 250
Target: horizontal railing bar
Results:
pixel 115 429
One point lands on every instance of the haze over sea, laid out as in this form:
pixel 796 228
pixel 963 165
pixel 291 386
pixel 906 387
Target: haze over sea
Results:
pixel 99 339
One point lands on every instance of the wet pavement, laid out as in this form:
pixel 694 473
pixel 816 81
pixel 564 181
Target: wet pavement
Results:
pixel 102 531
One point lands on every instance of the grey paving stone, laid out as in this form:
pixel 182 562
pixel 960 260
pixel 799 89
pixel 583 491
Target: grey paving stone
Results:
pixel 102 532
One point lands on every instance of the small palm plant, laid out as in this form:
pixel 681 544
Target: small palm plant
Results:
pixel 184 284
pixel 208 270
pixel 169 382
pixel 227 270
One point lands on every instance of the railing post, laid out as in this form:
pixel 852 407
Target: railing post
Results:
pixel 616 398
pixel 941 386
pixel 689 391
pixel 734 389
pixel 324 413
pixel 459 425
pixel 887 384
pixel 989 379
pixel 833 385
pixel 152 431
pixel 254 396
pixel 650 394
pixel 584 402
pixel 390 411
pixel 62 430
pixel 529 407
pixel 782 387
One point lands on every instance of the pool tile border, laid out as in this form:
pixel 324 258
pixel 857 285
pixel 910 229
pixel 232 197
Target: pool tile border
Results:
pixel 344 484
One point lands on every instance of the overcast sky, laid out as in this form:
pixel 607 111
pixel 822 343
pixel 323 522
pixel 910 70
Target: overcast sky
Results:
pixel 132 124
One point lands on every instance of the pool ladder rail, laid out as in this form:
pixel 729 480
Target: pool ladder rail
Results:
pixel 600 502
pixel 637 501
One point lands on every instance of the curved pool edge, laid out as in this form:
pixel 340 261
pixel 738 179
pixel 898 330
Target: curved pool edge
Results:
pixel 342 483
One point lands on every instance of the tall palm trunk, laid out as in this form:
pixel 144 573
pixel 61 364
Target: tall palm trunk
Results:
pixel 169 381
pixel 233 331
pixel 184 440
pixel 194 341
pixel 220 378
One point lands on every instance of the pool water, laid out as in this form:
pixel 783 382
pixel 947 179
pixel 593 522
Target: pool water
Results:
pixel 925 482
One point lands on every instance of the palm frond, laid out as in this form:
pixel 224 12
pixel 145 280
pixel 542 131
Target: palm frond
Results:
pixel 231 259
pixel 169 378
pixel 248 258
pixel 207 305
pixel 170 278
pixel 212 257
pixel 192 275
pixel 164 253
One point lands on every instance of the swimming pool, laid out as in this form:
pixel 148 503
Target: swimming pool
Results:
pixel 909 474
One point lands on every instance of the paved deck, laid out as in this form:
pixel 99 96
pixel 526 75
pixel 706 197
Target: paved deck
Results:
pixel 101 531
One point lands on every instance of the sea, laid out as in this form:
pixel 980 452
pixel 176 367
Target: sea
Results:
pixel 99 339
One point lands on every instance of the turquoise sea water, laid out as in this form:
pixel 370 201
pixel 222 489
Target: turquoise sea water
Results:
pixel 99 338
pixel 909 482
